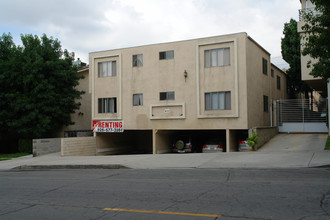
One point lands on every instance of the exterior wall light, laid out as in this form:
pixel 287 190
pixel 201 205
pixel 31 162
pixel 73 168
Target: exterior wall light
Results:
pixel 185 74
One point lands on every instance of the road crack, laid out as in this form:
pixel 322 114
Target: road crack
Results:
pixel 52 190
pixel 243 217
pixel 228 176
pixel 18 210
pixel 109 176
pixel 325 203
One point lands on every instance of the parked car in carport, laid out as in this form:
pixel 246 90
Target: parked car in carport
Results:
pixel 210 148
pixel 182 144
pixel 213 146
pixel 243 146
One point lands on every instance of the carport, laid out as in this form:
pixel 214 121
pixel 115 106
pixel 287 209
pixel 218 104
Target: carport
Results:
pixel 159 141
pixel 127 142
pixel 164 139
pixel 234 136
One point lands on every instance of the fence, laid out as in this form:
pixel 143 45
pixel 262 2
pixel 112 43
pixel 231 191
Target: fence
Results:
pixel 302 115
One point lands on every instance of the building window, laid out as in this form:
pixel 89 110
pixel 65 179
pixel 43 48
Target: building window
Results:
pixel 264 66
pixel 165 55
pixel 107 69
pixel 138 60
pixel 217 101
pixel 265 103
pixel 166 96
pixel 272 72
pixel 107 105
pixel 217 57
pixel 278 82
pixel 137 99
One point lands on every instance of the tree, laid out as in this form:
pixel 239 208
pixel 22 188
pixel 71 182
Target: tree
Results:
pixel 37 86
pixel 290 46
pixel 317 45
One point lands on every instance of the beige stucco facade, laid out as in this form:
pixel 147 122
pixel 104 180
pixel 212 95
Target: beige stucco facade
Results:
pixel 82 117
pixel 241 80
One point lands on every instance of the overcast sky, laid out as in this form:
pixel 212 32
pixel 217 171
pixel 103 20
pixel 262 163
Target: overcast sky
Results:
pixel 91 25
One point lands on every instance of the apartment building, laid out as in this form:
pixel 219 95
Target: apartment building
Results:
pixel 315 83
pixel 210 88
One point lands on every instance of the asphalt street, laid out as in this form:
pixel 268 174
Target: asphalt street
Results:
pixel 296 193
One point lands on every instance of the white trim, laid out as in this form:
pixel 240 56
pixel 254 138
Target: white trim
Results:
pixel 235 115
pixel 216 116
pixel 183 116
pixel 119 116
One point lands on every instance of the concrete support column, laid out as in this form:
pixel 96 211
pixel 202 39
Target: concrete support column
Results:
pixel 96 136
pixel 275 122
pixel 154 147
pixel 228 140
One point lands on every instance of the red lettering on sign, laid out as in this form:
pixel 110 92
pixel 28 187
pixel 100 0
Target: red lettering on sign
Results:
pixel 108 126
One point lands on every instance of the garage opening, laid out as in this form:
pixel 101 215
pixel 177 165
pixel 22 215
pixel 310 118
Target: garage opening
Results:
pixel 236 137
pixel 173 141
pixel 127 142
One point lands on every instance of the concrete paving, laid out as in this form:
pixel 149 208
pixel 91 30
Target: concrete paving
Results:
pixel 283 151
pixel 295 142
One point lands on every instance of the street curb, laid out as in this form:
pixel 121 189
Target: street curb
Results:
pixel 55 167
pixel 321 166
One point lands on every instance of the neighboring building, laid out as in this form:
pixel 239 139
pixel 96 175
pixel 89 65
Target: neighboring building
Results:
pixel 211 88
pixel 82 117
pixel 79 64
pixel 317 83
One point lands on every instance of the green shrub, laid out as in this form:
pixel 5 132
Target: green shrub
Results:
pixel 25 146
pixel 253 139
pixel 327 144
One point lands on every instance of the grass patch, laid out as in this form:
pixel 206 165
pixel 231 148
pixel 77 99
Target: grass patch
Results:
pixel 11 156
pixel 327 144
pixel 1 159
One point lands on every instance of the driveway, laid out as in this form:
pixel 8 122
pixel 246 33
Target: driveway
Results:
pixel 295 142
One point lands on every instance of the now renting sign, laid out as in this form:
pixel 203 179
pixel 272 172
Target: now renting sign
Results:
pixel 108 126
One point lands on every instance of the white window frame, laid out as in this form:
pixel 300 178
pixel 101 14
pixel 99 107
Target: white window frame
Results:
pixel 265 66
pixel 106 69
pixel 265 102
pixel 217 57
pixel 278 82
pixel 168 96
pixel 107 105
pixel 217 101
pixel 138 99
pixel 166 55
pixel 137 60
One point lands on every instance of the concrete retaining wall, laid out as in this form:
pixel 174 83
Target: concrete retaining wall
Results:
pixel 78 146
pixel 264 135
pixel 46 146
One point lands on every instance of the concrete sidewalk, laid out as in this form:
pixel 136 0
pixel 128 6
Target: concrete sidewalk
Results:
pixel 283 151
pixel 163 161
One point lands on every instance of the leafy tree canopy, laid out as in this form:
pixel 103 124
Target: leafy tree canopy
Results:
pixel 290 46
pixel 317 46
pixel 37 86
